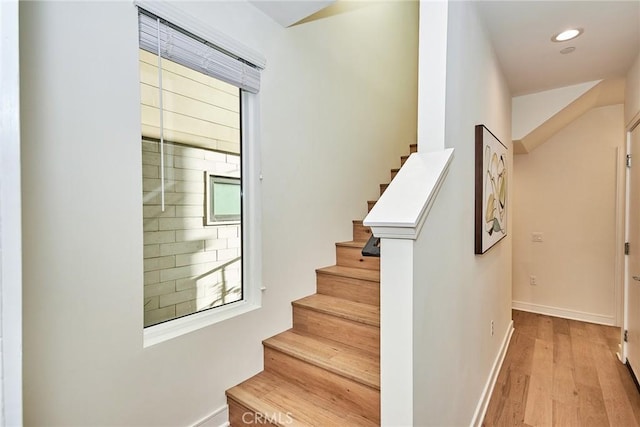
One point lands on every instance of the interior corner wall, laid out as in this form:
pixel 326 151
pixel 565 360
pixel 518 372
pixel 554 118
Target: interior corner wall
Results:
pixel 458 294
pixel 532 110
pixel 632 94
pixel 567 190
pixel 331 128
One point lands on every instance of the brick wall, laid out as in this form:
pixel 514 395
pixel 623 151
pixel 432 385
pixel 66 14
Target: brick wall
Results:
pixel 179 251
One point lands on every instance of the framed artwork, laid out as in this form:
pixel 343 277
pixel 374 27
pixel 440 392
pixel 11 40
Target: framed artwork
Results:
pixel 491 190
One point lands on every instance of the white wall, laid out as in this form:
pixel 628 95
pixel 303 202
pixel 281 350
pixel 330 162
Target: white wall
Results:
pixel 632 94
pixel 457 293
pixel 530 111
pixel 332 126
pixel 567 189
pixel 10 221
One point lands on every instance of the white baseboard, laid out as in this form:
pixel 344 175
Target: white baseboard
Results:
pixel 564 313
pixel 481 409
pixel 218 418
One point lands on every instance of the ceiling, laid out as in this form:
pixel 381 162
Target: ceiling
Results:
pixel 521 34
pixel 287 13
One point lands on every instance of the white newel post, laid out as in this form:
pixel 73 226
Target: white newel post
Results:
pixel 397 219
pixel 396 332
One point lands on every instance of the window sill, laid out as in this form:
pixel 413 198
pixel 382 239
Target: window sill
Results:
pixel 181 326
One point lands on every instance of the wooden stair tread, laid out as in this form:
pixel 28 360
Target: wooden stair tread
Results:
pixel 351 272
pixel 291 405
pixel 351 244
pixel 357 312
pixel 342 359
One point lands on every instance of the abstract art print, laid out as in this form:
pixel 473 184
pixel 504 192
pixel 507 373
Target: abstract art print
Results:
pixel 491 190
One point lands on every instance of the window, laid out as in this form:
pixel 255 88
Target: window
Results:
pixel 200 242
pixel 223 200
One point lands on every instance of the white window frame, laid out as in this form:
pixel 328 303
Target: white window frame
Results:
pixel 251 188
pixel 210 194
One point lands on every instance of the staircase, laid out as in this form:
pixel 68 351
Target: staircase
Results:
pixel 325 371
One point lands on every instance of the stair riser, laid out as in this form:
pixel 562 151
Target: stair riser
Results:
pixel 393 174
pixel 240 416
pixel 355 334
pixel 346 394
pixel 352 257
pixel 403 159
pixel 356 290
pixel 413 148
pixel 361 233
pixel 382 188
pixel 370 205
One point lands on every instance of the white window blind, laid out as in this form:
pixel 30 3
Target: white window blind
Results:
pixel 179 46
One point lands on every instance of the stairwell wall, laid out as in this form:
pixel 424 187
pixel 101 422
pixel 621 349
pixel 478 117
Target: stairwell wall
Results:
pixel 532 110
pixel 456 293
pixel 332 127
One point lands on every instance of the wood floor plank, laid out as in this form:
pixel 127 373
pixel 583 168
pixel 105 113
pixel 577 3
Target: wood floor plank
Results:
pixel 564 373
pixel 560 326
pixel 545 328
pixel 527 323
pixel 512 415
pixel 538 410
pixel 630 390
pixel 591 409
pixel 596 333
pixel 585 370
pixel 619 409
pixel 564 385
pixel 565 415
pixel 495 409
pixel 577 329
pixel 562 351
pixel 522 353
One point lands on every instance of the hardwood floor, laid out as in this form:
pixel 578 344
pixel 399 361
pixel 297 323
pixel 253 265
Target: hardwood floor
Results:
pixel 560 372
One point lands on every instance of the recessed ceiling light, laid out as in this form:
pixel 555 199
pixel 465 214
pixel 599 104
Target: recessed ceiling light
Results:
pixel 567 50
pixel 569 34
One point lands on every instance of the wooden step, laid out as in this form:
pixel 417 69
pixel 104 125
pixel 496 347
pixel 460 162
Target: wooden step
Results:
pixel 348 322
pixel 346 375
pixel 370 204
pixel 240 415
pixel 403 159
pixel 332 356
pixel 349 254
pixel 353 284
pixel 268 399
pixel 361 233
pixel 383 187
pixel 394 172
pixel 413 148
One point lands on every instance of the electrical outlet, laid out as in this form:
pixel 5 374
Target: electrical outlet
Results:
pixel 492 328
pixel 533 280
